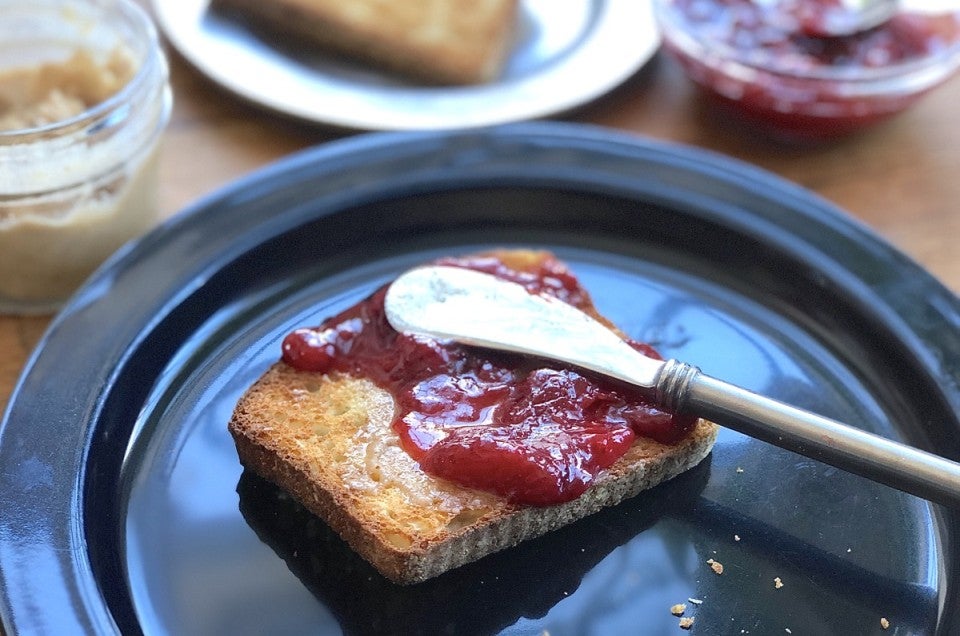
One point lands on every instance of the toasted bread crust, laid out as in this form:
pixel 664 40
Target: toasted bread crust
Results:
pixel 440 41
pixel 411 543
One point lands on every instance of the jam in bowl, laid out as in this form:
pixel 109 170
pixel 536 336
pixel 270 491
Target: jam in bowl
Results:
pixel 761 61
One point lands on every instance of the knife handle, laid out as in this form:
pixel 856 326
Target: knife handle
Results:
pixel 682 387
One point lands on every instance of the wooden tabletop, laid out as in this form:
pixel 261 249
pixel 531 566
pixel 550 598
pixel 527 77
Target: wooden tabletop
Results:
pixel 903 178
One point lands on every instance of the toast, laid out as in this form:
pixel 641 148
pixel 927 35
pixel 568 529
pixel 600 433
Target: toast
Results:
pixel 328 439
pixel 437 41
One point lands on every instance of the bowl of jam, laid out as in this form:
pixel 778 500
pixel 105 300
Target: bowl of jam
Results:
pixel 766 61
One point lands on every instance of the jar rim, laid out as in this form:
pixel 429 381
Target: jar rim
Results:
pixel 917 72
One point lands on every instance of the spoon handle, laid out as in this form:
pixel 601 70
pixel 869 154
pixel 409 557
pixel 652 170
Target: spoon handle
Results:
pixel 682 387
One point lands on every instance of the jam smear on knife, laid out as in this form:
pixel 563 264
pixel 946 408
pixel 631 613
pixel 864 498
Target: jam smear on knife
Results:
pixel 533 432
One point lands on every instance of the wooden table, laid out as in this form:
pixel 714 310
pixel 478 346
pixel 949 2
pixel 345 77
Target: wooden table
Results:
pixel 902 179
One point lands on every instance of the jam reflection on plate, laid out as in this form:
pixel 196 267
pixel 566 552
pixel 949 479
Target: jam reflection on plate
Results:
pixel 485 596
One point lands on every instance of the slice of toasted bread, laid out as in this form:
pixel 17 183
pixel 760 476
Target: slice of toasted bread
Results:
pixel 440 41
pixel 328 440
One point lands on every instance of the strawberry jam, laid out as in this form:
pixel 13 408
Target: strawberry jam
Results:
pixel 503 423
pixel 769 62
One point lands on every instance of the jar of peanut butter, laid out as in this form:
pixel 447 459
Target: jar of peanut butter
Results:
pixel 84 100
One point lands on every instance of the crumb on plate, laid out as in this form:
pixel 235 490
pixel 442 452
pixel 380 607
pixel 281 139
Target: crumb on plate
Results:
pixel 716 566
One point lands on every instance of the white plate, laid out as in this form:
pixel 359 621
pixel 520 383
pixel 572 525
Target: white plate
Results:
pixel 567 54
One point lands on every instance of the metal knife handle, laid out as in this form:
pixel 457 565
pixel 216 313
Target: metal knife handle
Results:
pixel 681 387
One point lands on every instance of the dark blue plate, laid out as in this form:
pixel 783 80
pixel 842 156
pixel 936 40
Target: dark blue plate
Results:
pixel 124 506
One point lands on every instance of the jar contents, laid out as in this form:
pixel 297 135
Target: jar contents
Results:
pixel 794 80
pixel 44 258
pixel 502 423
pixel 34 96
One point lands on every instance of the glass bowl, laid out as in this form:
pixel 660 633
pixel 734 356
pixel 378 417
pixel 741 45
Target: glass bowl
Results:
pixel 755 59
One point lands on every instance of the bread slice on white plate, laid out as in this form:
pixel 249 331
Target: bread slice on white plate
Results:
pixel 437 41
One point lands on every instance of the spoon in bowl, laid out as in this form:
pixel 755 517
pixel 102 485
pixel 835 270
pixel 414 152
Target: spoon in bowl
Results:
pixel 478 309
pixel 833 18
pixel 840 18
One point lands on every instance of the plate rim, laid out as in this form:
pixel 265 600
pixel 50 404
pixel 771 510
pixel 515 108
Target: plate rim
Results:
pixel 540 94
pixel 343 157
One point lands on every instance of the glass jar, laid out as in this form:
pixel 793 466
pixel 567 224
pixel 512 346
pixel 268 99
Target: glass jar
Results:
pixel 84 99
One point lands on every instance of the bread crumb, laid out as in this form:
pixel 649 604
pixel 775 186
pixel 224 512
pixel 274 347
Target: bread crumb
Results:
pixel 686 622
pixel 787 629
pixel 695 601
pixel 777 583
pixel 884 623
pixel 736 537
pixel 678 609
pixel 739 470
pixel 716 566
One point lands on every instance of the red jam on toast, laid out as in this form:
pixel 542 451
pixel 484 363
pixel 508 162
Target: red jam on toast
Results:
pixel 533 433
